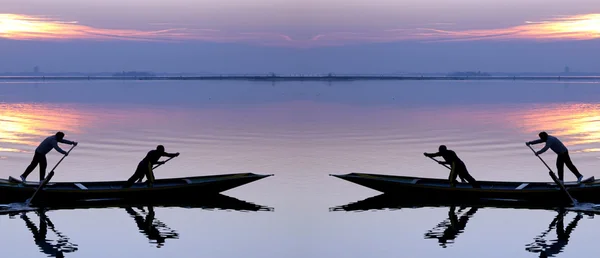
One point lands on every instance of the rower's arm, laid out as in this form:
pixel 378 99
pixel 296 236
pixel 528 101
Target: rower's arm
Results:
pixel 170 155
pixel 66 141
pixel 545 148
pixel 437 154
pixel 55 145
pixel 536 141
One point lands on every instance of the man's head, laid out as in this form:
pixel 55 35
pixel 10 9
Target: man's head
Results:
pixel 160 148
pixel 60 135
pixel 442 148
pixel 543 136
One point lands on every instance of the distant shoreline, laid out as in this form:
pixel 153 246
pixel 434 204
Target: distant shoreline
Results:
pixel 306 78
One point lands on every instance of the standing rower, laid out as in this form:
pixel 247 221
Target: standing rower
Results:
pixel 458 167
pixel 40 154
pixel 562 154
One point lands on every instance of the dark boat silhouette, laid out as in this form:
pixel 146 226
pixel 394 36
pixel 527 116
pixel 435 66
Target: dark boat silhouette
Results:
pixel 430 189
pixel 12 190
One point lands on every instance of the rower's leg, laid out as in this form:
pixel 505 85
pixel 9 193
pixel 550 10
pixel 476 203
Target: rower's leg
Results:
pixel 465 174
pixel 572 167
pixel 560 167
pixel 43 165
pixel 462 178
pixel 31 167
pixel 137 175
pixel 149 175
pixel 453 174
pixel 132 180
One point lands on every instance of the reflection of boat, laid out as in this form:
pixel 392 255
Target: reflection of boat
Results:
pixel 440 189
pixel 556 246
pixel 40 236
pixel 142 212
pixel 388 201
pixel 449 229
pixel 174 188
pixel 209 202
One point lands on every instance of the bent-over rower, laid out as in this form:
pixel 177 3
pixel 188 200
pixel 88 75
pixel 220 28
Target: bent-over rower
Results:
pixel 458 167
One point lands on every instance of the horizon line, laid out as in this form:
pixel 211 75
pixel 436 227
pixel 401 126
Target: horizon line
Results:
pixel 323 78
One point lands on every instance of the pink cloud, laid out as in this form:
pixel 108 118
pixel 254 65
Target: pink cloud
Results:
pixel 24 27
pixel 579 27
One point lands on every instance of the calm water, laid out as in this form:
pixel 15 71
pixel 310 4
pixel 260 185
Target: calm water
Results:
pixel 301 132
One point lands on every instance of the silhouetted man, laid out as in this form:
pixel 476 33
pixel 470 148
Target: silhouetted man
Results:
pixel 144 168
pixel 458 167
pixel 563 154
pixel 40 154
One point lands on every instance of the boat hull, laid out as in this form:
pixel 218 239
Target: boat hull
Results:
pixel 438 189
pixel 188 188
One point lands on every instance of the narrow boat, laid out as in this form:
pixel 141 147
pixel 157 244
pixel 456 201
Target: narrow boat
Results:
pixel 185 188
pixel 428 189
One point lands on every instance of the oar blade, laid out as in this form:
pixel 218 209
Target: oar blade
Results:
pixel 562 187
pixel 42 185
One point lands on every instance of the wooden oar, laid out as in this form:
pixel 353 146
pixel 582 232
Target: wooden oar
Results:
pixel 562 187
pixel 555 179
pixel 439 162
pixel 47 179
pixel 162 163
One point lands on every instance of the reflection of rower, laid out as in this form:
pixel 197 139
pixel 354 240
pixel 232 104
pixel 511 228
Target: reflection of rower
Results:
pixel 453 226
pixel 39 235
pixel 562 235
pixel 149 226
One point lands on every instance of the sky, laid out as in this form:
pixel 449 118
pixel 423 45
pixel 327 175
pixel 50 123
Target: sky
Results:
pixel 292 36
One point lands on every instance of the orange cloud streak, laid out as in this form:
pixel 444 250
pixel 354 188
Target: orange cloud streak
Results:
pixel 24 27
pixel 579 27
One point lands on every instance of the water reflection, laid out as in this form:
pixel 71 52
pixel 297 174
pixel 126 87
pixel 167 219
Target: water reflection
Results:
pixel 563 234
pixel 46 246
pixel 447 230
pixel 149 226
pixel 578 123
pixel 143 215
pixel 26 123
pixel 209 202
pixel 394 202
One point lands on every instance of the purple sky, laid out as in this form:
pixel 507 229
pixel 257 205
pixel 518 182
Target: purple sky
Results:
pixel 243 36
